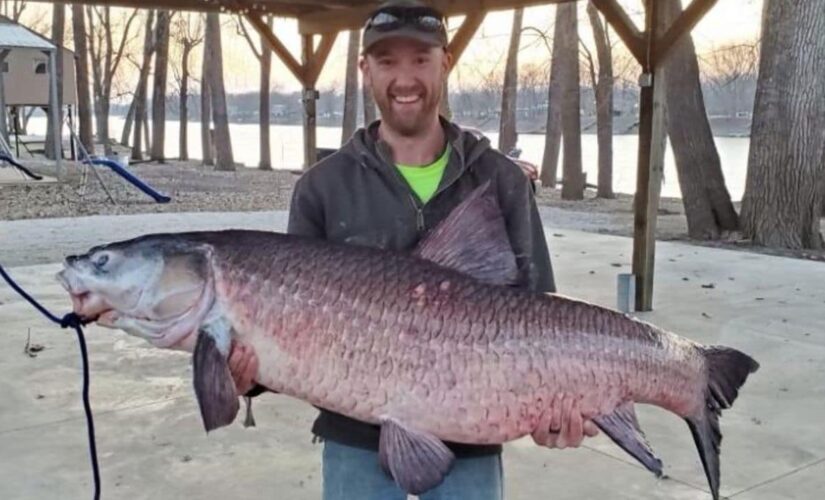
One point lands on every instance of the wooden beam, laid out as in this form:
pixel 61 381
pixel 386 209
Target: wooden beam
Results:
pixel 354 17
pixel 309 98
pixel 464 34
pixel 276 46
pixel 319 58
pixel 684 24
pixel 652 142
pixel 623 26
pixel 284 8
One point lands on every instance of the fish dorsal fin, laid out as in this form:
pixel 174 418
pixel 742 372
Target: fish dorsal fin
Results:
pixel 473 239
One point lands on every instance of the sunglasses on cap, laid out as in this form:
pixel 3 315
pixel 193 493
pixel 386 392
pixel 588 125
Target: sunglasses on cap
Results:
pixel 423 19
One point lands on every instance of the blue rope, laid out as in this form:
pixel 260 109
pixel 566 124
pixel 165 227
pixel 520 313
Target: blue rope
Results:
pixel 71 320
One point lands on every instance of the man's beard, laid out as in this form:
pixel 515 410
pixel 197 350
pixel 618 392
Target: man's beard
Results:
pixel 409 124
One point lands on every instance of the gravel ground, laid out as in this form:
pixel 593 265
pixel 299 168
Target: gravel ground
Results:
pixel 243 198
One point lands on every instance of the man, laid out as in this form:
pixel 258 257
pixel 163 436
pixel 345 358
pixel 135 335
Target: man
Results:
pixel 391 183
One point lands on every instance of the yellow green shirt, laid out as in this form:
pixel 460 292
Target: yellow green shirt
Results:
pixel 424 179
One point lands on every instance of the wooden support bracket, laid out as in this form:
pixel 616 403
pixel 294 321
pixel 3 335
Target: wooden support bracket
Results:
pixel 684 24
pixel 624 27
pixel 276 46
pixel 464 34
pixel 318 59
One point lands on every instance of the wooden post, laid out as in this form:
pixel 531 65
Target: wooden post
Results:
pixel 309 98
pixel 54 103
pixel 652 141
pixel 3 121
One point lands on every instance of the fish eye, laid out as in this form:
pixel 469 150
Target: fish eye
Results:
pixel 101 260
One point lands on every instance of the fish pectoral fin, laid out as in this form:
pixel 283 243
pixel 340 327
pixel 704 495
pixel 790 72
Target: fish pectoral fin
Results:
pixel 213 383
pixel 623 428
pixel 417 461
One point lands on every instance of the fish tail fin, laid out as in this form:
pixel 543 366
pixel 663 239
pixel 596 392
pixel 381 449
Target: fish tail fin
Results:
pixel 727 371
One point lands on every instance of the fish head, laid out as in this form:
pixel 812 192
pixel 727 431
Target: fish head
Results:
pixel 156 287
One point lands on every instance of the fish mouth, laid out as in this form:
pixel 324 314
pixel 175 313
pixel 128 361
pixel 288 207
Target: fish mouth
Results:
pixel 87 305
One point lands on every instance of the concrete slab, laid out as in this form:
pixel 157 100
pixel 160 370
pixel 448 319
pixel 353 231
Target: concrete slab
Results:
pixel 152 445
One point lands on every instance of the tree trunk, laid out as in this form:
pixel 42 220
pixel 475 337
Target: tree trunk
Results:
pixel 784 188
pixel 265 162
pixel 84 98
pixel 206 111
pixel 128 122
pixel 140 91
pixel 573 179
pixel 552 129
pixel 183 137
pixel 223 144
pixel 58 29
pixel 604 104
pixel 351 88
pixel 707 203
pixel 507 125
pixel 159 86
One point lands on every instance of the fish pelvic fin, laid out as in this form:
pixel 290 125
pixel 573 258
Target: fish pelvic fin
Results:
pixel 417 461
pixel 214 387
pixel 727 371
pixel 622 427
pixel 473 240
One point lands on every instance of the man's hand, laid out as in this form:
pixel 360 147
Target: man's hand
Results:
pixel 562 425
pixel 243 365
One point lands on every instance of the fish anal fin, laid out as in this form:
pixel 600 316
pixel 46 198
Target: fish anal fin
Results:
pixel 473 239
pixel 622 427
pixel 417 461
pixel 214 387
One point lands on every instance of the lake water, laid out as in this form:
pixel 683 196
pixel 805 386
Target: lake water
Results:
pixel 287 151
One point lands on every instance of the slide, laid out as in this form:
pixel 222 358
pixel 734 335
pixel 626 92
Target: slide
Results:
pixel 15 164
pixel 158 197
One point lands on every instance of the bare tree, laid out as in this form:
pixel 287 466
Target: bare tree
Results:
pixel 552 131
pixel 212 44
pixel 786 172
pixel 264 56
pixel 573 178
pixel 84 98
pixel 106 54
pixel 58 29
pixel 507 125
pixel 731 72
pixel 707 203
pixel 206 110
pixel 162 35
pixel 189 34
pixel 351 87
pixel 13 9
pixel 139 103
pixel 604 101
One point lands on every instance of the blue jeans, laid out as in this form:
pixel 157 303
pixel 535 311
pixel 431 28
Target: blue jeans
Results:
pixel 355 474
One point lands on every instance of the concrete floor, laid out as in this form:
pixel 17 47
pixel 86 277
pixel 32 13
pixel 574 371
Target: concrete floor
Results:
pixel 152 446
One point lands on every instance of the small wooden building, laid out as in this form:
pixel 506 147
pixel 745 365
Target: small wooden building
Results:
pixel 25 69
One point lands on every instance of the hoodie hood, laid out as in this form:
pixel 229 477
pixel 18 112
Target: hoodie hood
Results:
pixel 467 147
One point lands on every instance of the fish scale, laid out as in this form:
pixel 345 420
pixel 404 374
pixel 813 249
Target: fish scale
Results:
pixel 513 335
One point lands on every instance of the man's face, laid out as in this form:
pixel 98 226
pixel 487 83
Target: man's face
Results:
pixel 406 78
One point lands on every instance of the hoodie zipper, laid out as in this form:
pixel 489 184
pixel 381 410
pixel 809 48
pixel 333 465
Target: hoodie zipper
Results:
pixel 419 214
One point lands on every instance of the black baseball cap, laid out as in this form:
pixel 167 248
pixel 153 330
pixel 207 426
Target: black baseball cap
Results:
pixel 405 19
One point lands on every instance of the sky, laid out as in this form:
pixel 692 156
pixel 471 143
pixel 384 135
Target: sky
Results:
pixel 729 21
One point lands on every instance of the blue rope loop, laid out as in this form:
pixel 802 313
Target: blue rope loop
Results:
pixel 71 320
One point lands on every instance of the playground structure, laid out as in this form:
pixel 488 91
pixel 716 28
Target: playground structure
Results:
pixel 32 81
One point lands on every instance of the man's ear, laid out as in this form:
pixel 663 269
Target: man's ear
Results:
pixel 447 62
